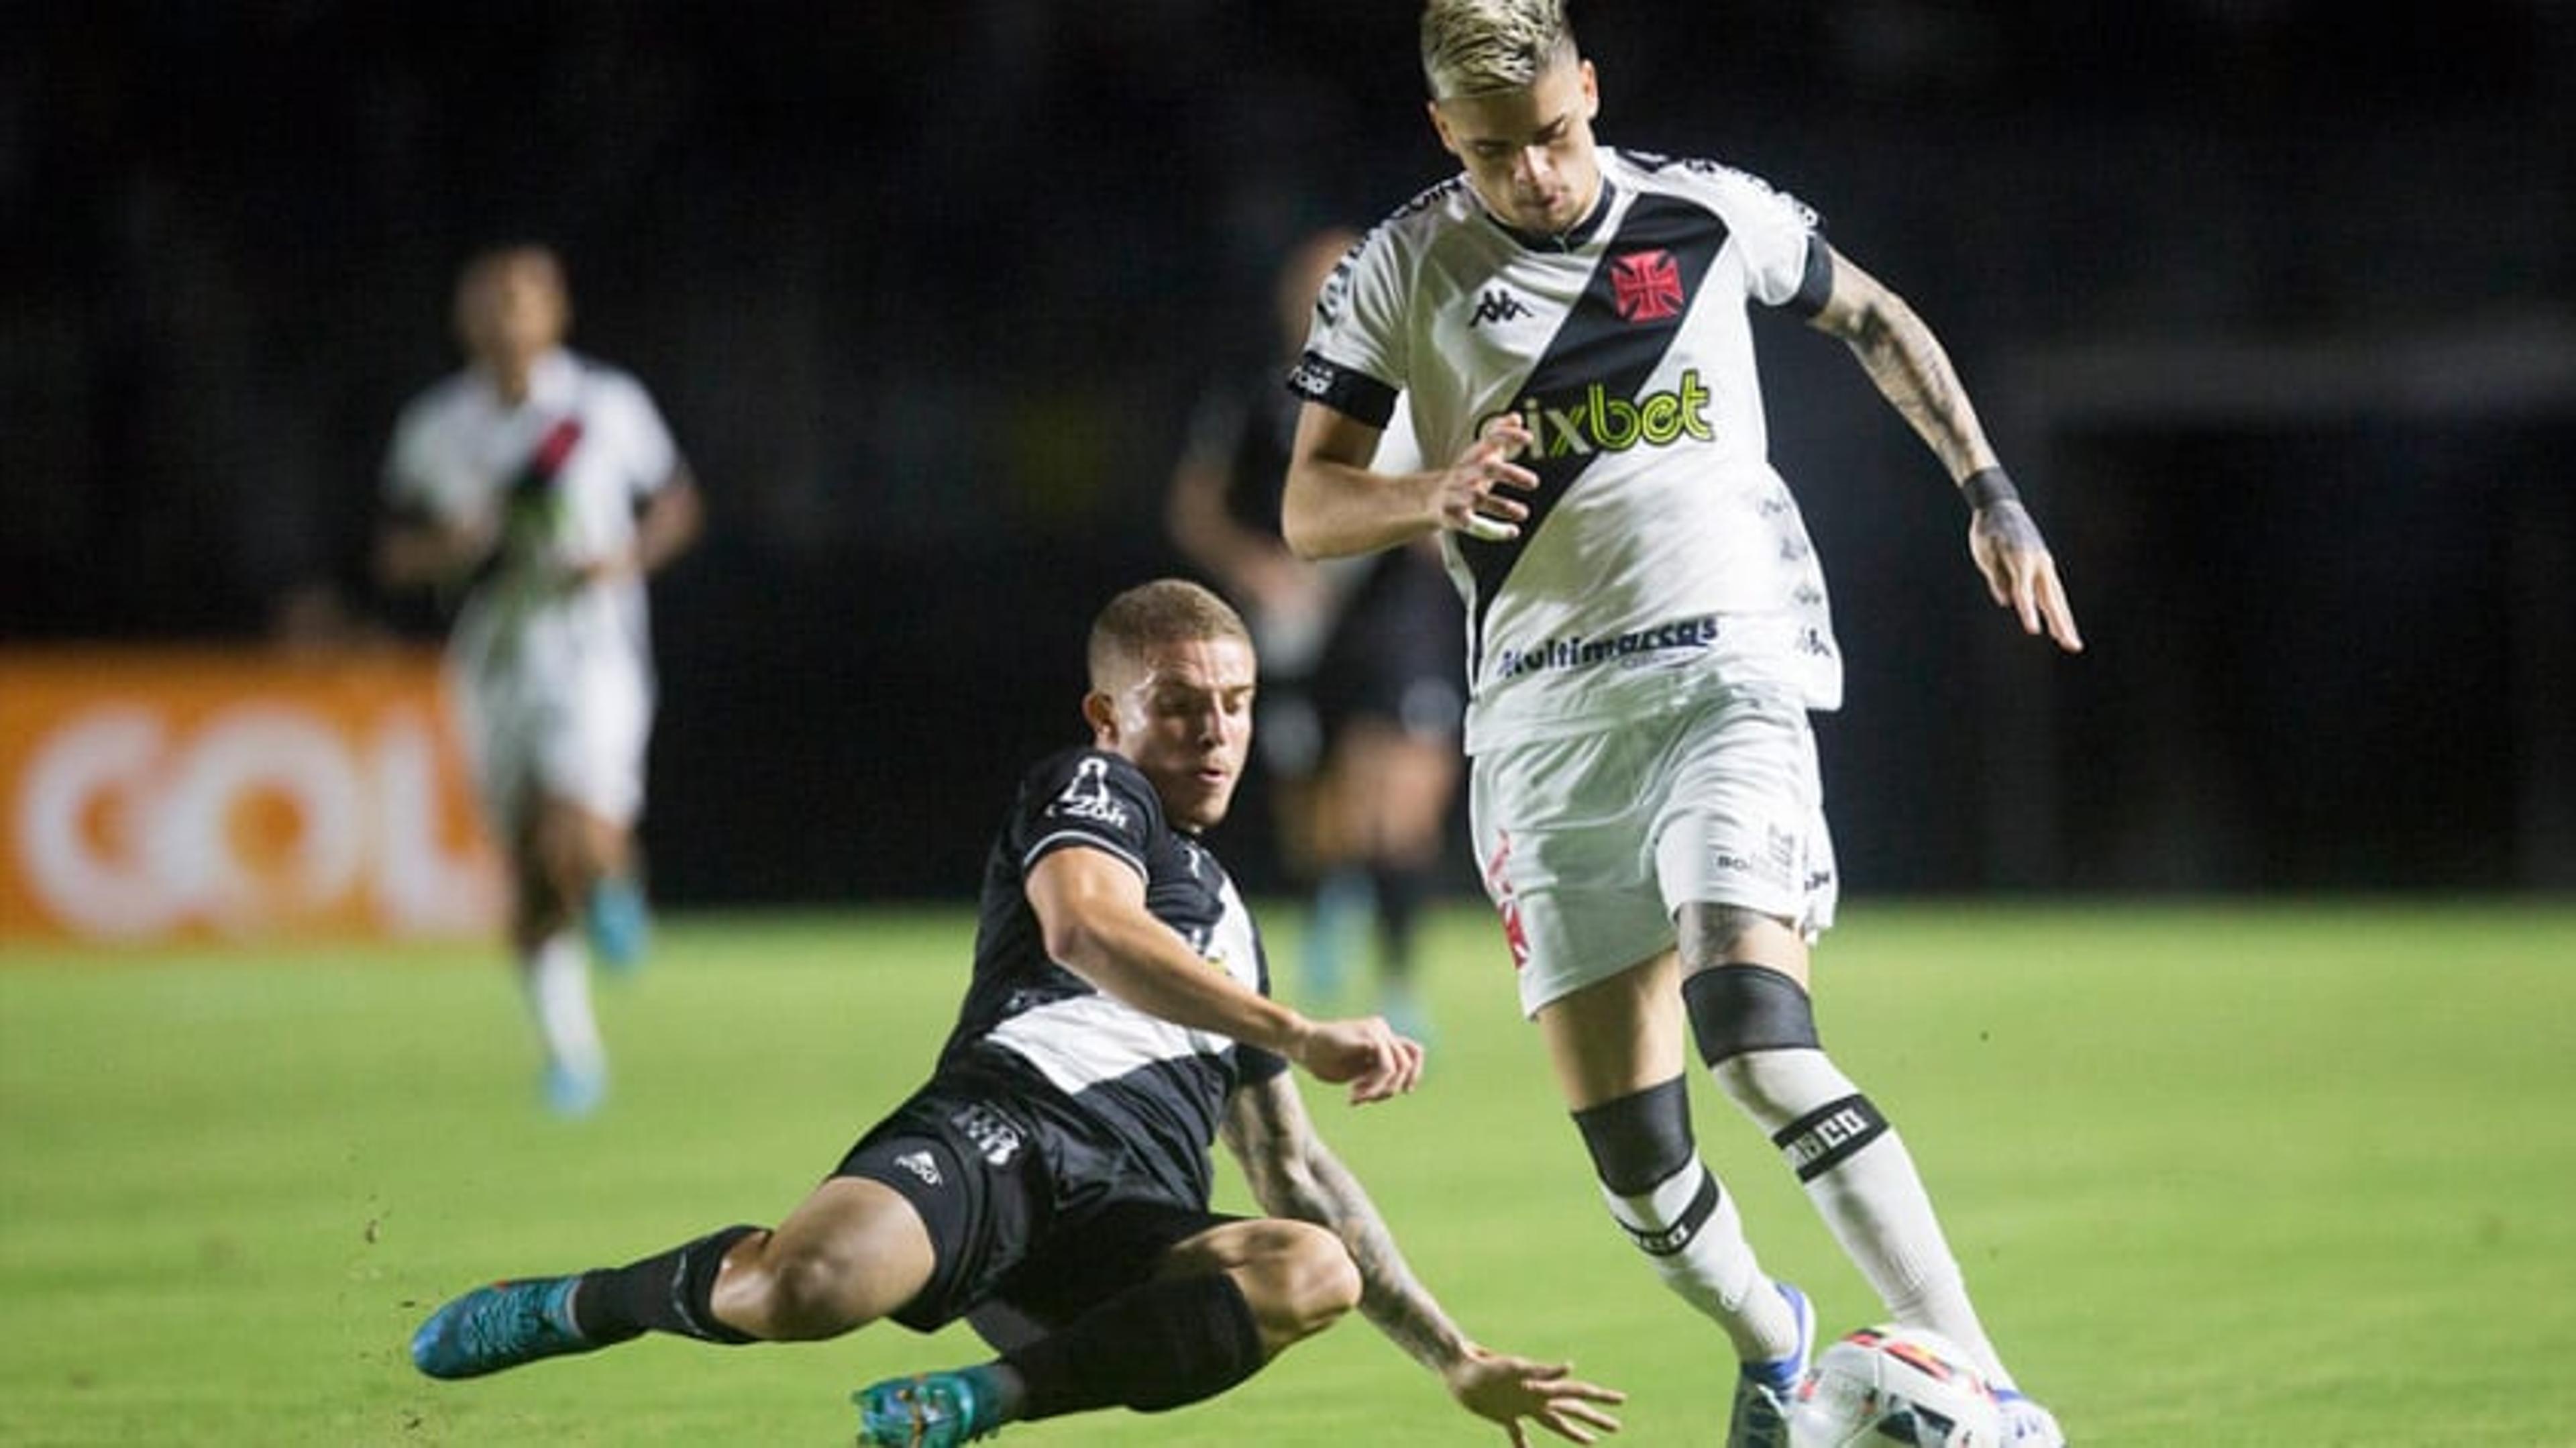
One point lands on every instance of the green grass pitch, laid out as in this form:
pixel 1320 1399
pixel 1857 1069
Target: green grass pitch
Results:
pixel 2220 1174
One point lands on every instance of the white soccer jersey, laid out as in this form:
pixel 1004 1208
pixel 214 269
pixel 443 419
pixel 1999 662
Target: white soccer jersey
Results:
pixel 564 470
pixel 1664 555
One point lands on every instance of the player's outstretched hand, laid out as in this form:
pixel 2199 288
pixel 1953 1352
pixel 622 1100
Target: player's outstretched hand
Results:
pixel 1366 1053
pixel 1506 1389
pixel 1467 498
pixel 2020 572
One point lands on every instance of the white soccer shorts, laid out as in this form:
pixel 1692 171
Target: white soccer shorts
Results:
pixel 579 735
pixel 1590 844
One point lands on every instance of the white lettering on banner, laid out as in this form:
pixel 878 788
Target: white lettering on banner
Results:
pixel 127 829
pixel 239 756
pixel 108 757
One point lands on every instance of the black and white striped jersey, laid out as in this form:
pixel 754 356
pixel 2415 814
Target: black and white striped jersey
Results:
pixel 1116 1074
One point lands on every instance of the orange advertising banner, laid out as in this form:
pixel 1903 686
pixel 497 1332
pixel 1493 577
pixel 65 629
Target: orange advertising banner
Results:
pixel 168 795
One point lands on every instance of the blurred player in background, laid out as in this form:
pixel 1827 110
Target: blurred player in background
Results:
pixel 1567 327
pixel 544 488
pixel 1050 1183
pixel 1361 660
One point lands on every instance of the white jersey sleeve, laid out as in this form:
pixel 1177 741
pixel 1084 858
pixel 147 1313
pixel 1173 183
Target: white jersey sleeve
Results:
pixel 1772 230
pixel 645 449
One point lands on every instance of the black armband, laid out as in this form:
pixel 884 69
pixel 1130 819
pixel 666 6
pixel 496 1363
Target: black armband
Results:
pixel 1986 487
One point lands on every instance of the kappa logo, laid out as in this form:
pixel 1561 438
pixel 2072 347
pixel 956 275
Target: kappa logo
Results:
pixel 919 1164
pixel 1498 305
pixel 1646 286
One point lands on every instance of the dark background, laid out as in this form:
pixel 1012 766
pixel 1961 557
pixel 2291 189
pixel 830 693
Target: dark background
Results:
pixel 2268 303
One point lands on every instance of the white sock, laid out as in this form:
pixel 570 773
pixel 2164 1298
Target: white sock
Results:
pixel 558 982
pixel 1712 1268
pixel 1863 1182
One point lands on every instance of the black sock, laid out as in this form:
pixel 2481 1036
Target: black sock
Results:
pixel 1158 1346
pixel 1401 890
pixel 672 1292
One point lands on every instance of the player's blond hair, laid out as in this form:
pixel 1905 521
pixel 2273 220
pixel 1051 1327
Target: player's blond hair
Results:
pixel 1478 47
pixel 1165 611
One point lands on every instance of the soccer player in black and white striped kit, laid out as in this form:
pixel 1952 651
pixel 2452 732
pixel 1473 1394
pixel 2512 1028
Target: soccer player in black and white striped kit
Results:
pixel 1050 1183
pixel 1566 327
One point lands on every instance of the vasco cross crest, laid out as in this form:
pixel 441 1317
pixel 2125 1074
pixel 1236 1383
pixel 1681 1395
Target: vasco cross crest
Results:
pixel 1646 286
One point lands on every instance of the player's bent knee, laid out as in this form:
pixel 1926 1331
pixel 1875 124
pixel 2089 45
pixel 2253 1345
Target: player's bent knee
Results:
pixel 1299 1279
pixel 1736 1010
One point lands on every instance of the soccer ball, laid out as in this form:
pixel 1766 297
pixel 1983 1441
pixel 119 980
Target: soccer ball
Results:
pixel 1894 1384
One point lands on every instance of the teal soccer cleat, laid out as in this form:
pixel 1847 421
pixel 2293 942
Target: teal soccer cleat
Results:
pixel 500 1326
pixel 1762 1390
pixel 935 1410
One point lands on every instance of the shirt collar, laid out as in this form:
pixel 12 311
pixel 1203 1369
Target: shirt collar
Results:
pixel 553 381
pixel 1567 240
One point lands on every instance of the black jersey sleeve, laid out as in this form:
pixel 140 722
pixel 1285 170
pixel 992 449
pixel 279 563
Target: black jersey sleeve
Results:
pixel 1087 797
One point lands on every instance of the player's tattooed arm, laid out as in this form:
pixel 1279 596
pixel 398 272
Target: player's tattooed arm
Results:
pixel 1907 364
pixel 1293 1174
pixel 1913 372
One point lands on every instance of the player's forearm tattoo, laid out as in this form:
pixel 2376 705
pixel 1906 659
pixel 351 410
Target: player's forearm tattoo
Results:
pixel 1312 1185
pixel 1914 374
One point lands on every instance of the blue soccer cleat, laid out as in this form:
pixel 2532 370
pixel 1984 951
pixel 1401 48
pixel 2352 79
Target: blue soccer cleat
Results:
pixel 573 1092
pixel 1763 1390
pixel 935 1410
pixel 2027 1424
pixel 619 925
pixel 500 1326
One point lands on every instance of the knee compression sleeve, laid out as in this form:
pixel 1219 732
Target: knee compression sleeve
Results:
pixel 1650 1176
pixel 1640 1139
pixel 1757 1031
pixel 1737 1009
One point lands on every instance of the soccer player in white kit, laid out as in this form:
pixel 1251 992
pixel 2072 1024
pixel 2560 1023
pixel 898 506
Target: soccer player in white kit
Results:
pixel 545 486
pixel 1647 631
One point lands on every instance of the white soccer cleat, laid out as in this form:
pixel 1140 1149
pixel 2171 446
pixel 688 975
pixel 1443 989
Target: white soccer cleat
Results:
pixel 2027 1424
pixel 1763 1391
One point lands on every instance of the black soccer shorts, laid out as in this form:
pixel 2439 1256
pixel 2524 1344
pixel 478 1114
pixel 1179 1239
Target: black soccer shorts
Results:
pixel 1018 1251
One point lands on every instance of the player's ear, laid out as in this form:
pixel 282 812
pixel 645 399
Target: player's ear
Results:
pixel 1591 92
pixel 1101 712
pixel 1440 128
